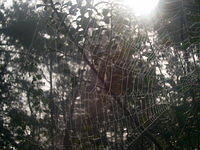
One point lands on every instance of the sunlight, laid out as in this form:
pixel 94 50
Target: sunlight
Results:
pixel 141 7
pixel 7 3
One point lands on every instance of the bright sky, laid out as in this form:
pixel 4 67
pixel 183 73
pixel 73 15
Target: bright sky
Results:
pixel 141 7
pixel 6 2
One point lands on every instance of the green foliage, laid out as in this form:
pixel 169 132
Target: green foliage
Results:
pixel 48 59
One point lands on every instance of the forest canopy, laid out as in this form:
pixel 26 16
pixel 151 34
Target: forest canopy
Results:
pixel 84 74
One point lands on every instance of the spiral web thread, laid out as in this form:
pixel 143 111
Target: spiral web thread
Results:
pixel 116 118
pixel 105 118
pixel 107 112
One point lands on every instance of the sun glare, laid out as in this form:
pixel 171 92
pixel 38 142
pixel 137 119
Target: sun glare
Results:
pixel 141 7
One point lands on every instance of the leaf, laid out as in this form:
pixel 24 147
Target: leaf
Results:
pixel 107 20
pixel 41 5
pixel 39 77
pixel 105 12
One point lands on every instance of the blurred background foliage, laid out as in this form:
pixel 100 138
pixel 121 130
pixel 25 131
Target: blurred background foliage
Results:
pixel 85 75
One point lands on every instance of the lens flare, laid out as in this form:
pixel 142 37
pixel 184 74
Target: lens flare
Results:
pixel 141 7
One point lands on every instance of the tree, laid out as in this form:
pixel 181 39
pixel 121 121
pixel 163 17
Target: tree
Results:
pixel 176 30
pixel 84 75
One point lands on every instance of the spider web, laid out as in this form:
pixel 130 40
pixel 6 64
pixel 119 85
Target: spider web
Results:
pixel 124 97
pixel 121 93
